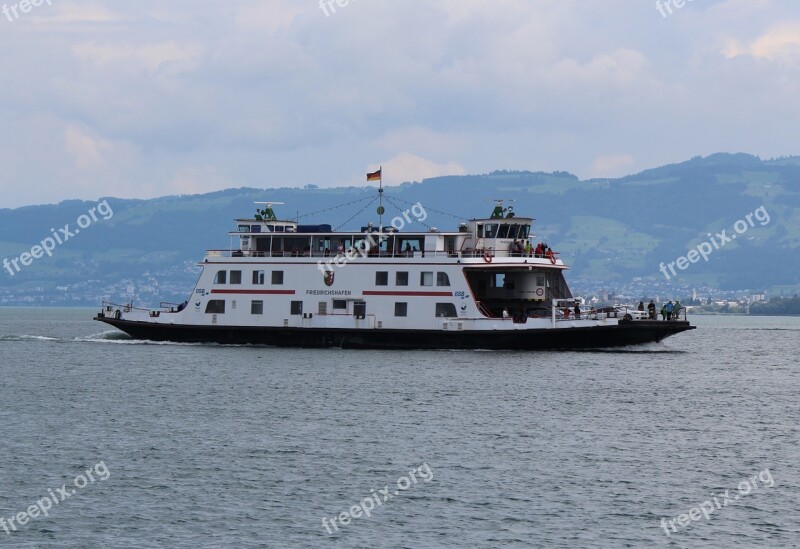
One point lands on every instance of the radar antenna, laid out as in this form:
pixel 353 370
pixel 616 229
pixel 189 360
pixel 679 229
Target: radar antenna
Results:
pixel 499 211
pixel 267 213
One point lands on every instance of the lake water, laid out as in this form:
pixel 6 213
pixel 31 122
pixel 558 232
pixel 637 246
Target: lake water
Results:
pixel 169 445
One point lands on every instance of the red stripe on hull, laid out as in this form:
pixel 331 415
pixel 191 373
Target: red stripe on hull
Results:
pixel 411 294
pixel 255 292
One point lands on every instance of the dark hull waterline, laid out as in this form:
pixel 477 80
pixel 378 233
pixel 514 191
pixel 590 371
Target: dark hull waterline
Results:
pixel 591 337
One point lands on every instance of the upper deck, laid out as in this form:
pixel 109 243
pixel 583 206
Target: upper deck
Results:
pixel 501 235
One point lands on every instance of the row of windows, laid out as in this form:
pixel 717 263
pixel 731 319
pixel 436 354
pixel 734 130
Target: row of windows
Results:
pixel 217 307
pixel 401 278
pixel 381 278
pixel 259 277
pixel 442 310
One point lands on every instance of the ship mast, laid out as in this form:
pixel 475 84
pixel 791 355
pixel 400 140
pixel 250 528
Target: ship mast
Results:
pixel 378 176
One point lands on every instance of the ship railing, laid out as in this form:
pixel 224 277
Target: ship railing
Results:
pixel 486 254
pixel 110 308
pixel 562 311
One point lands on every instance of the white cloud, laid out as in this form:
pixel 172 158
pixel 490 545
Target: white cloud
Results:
pixel 159 97
pixel 270 16
pixel 198 179
pixel 87 151
pixel 147 56
pixel 409 167
pixel 614 165
pixel 779 43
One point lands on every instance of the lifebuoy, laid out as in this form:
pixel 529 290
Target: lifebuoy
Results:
pixel 540 292
pixel 487 257
pixel 118 314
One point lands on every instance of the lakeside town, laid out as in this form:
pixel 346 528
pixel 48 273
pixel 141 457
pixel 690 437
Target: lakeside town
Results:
pixel 173 284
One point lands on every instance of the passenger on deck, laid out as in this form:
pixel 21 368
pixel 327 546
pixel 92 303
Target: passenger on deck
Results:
pixel 577 310
pixel 538 252
pixel 670 309
pixel 528 248
pixel 505 312
pixel 651 308
pixel 663 312
pixel 641 306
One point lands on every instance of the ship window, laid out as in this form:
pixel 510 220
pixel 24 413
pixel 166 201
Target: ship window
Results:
pixel 339 305
pixel 523 231
pixel 255 229
pixel 382 278
pixel 446 310
pixel 256 307
pixel 258 278
pixel 360 309
pixel 401 309
pixel 442 279
pixel 216 307
pixel 221 278
pixel 323 308
pixel 401 278
pixel 244 228
pixel 503 232
pixel 297 308
pixel 540 280
pixel 426 279
pixel 277 277
pixel 491 230
pixel 236 277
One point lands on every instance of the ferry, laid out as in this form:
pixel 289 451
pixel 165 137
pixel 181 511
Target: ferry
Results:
pixel 486 285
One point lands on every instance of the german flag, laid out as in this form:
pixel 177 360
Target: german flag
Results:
pixel 374 176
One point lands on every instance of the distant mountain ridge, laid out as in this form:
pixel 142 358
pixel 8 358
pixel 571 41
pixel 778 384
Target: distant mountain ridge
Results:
pixel 609 230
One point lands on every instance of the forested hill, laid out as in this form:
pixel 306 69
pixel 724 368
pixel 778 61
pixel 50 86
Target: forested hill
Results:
pixel 609 230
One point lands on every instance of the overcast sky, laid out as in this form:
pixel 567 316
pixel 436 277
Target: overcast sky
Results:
pixel 147 98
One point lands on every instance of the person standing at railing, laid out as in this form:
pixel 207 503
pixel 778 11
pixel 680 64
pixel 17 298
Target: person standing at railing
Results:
pixel 677 311
pixel 670 309
pixel 651 308
pixel 528 248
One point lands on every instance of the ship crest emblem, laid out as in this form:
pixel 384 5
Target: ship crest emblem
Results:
pixel 328 277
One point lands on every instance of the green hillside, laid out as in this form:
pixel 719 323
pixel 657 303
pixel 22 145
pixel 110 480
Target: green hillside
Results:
pixel 610 231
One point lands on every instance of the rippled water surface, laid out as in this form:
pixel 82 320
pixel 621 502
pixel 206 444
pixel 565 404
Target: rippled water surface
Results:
pixel 209 446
